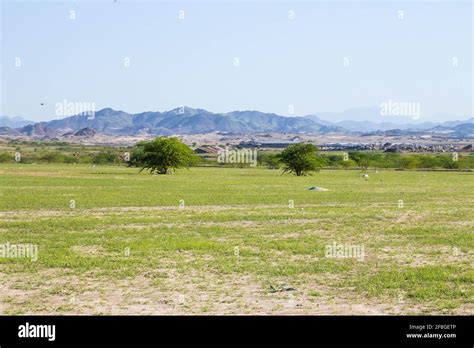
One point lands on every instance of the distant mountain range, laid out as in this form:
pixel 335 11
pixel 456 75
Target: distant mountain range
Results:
pixel 182 120
pixel 370 120
pixel 185 120
pixel 14 122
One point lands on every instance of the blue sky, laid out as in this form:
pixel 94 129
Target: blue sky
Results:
pixel 283 63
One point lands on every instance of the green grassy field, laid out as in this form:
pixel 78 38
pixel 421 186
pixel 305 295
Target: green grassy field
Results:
pixel 235 241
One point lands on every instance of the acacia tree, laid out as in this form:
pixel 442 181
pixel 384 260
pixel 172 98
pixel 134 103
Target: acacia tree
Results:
pixel 300 159
pixel 162 155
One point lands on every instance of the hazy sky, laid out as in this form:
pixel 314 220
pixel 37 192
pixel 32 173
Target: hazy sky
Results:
pixel 253 55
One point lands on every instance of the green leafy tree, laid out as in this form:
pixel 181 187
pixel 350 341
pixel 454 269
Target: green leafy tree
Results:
pixel 300 159
pixel 162 155
pixel 137 155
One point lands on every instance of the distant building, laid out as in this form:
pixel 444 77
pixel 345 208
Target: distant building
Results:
pixel 270 143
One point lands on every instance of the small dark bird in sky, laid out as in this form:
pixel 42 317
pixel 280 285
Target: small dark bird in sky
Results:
pixel 41 104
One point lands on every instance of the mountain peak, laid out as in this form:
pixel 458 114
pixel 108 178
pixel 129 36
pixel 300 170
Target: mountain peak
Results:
pixel 106 110
pixel 110 112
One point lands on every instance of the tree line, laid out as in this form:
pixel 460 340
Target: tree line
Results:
pixel 163 155
pixel 364 160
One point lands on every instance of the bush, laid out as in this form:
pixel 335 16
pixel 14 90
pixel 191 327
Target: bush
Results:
pixel 271 161
pixel 408 162
pixel 105 158
pixel 51 157
pixel 71 159
pixel 6 158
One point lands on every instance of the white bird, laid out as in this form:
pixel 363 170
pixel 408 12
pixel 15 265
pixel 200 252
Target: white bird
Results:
pixel 365 176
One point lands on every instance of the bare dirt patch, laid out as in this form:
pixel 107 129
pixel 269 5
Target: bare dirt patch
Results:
pixel 165 291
